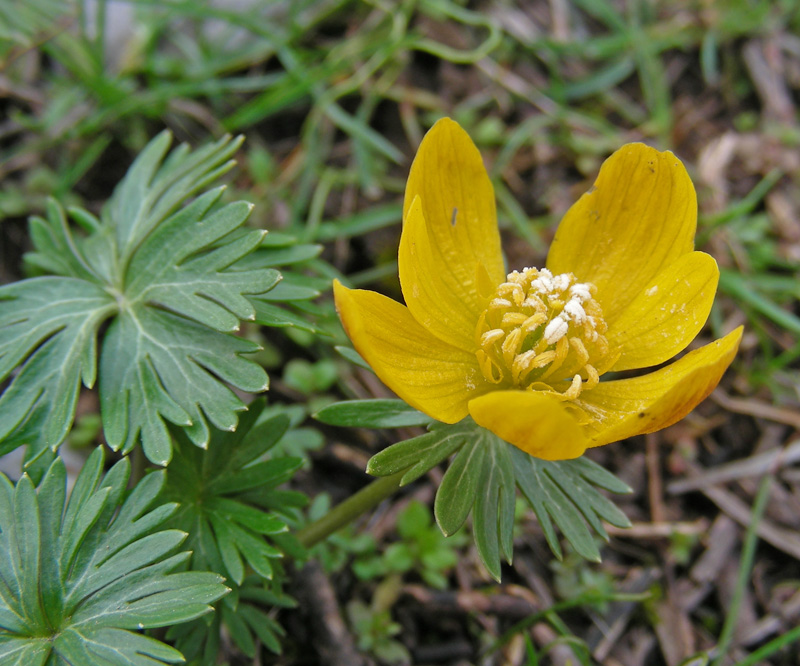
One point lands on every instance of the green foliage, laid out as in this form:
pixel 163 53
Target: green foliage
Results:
pixel 574 577
pixel 166 278
pixel 310 378
pixel 565 492
pixel 78 578
pixel 372 414
pixel 21 24
pixel 422 548
pixel 244 615
pixel 231 506
pixel 481 480
pixel 343 545
pixel 374 626
pixel 228 495
pixel 287 304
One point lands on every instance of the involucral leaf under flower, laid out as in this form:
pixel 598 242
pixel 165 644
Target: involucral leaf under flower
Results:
pixel 524 353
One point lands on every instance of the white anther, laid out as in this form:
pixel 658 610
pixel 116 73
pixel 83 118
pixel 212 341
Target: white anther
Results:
pixel 543 284
pixel 580 290
pixel 575 311
pixel 561 282
pixel 555 330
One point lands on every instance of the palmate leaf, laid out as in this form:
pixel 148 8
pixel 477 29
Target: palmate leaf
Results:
pixel 481 478
pixel 79 578
pixel 171 282
pixel 232 507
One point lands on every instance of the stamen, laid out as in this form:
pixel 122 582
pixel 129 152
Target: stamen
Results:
pixel 498 303
pixel 594 378
pixel 514 319
pixel 490 337
pixel 488 367
pixel 543 332
pixel 580 349
pixel 575 388
pixel 522 364
pixel 511 346
pixel 534 321
pixel 555 330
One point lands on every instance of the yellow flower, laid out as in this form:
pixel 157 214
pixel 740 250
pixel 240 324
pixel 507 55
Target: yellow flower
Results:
pixel 523 353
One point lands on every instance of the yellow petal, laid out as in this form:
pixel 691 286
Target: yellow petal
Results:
pixel 639 217
pixel 537 423
pixel 432 293
pixel 458 205
pixel 430 375
pixel 667 315
pixel 628 407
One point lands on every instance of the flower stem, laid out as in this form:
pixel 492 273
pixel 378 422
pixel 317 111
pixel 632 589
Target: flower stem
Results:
pixel 346 512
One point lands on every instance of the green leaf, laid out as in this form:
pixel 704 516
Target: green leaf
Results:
pixel 49 326
pixel 164 264
pixel 269 314
pixel 288 290
pixel 156 366
pixel 482 477
pixel 414 519
pixel 420 454
pixel 362 222
pixel 281 307
pixel 56 250
pixel 372 414
pixel 248 516
pixel 79 578
pixel 459 486
pixel 353 356
pixel 229 504
pixel 493 517
pixel 166 270
pixel 245 620
pixel 155 187
pixel 238 630
pixel 562 491
pixel 267 630
pixel 290 252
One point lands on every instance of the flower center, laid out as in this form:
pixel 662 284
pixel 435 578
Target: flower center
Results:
pixel 543 331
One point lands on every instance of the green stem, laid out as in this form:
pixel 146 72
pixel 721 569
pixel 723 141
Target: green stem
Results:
pixel 342 514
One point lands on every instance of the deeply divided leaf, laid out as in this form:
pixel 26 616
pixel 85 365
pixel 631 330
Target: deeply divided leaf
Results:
pixel 481 480
pixel 233 511
pixel 165 266
pixel 75 579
